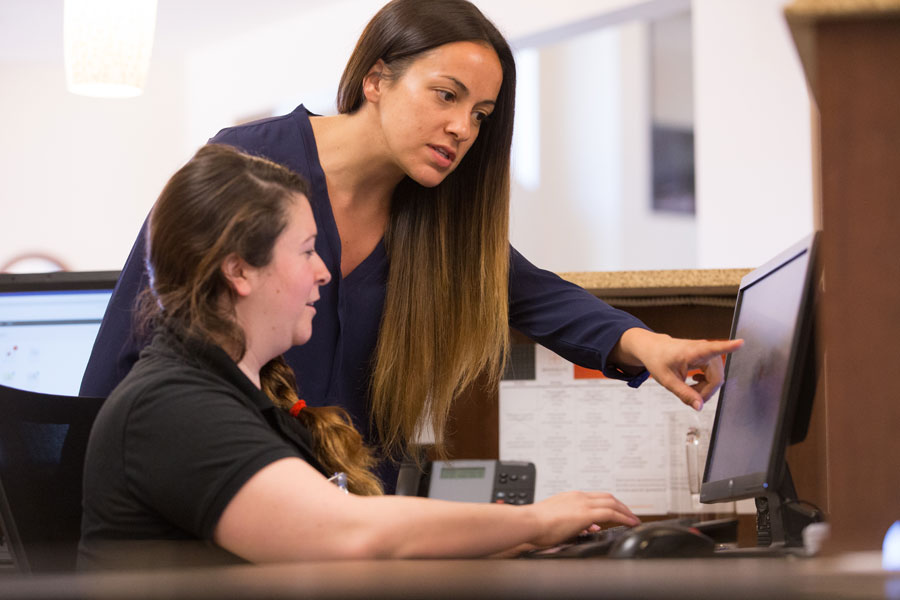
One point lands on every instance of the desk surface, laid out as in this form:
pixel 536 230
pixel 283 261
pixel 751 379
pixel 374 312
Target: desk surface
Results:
pixel 858 576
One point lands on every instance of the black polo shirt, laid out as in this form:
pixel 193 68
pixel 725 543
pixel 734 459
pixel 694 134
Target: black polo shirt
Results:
pixel 170 448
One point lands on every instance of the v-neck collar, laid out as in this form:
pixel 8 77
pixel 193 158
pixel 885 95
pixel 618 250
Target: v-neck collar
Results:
pixel 322 204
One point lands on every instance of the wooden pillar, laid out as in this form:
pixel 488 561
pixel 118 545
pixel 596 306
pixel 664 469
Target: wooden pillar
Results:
pixel 851 54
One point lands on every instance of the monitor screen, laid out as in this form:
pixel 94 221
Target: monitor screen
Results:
pixel 759 399
pixel 48 323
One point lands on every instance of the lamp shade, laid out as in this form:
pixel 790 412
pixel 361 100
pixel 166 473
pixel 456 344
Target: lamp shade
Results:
pixel 107 46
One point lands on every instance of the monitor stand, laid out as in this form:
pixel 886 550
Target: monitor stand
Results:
pixel 780 521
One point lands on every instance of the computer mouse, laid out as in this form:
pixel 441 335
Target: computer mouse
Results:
pixel 662 541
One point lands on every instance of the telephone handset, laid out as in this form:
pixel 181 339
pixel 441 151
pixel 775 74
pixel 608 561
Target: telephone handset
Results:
pixel 501 482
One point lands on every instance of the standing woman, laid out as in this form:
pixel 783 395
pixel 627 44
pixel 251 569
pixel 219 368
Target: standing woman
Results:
pixel 204 454
pixel 410 192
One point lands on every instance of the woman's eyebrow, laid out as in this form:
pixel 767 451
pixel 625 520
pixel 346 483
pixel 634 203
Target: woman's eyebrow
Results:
pixel 465 90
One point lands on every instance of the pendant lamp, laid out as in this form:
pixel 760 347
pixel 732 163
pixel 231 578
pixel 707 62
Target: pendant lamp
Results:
pixel 107 46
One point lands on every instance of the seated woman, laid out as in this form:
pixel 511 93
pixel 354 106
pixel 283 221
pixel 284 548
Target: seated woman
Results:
pixel 204 453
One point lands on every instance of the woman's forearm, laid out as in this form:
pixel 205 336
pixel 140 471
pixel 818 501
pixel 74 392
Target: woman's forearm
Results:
pixel 288 511
pixel 407 527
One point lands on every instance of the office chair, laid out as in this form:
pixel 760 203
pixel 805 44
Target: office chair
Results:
pixel 43 439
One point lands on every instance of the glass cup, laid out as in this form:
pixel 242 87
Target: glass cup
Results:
pixel 695 455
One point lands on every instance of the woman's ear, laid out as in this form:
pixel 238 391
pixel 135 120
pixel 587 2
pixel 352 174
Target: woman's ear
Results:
pixel 238 274
pixel 373 82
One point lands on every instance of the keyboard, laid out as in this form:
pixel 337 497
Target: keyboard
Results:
pixel 598 543
pixel 5 556
pixel 584 545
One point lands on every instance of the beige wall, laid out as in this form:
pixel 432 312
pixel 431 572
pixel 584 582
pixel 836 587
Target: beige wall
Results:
pixel 78 175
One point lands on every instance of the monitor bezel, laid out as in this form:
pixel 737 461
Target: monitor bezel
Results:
pixel 62 281
pixel 758 484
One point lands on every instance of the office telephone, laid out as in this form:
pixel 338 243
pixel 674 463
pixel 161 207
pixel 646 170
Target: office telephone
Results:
pixel 501 482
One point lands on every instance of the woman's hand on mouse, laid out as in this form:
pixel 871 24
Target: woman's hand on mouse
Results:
pixel 564 515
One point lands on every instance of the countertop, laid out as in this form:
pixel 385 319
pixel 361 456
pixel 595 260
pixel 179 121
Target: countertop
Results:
pixel 670 283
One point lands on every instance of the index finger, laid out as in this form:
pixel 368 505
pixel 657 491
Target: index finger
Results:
pixel 710 350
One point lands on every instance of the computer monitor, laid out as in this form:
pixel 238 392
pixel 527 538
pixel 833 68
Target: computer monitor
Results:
pixel 765 402
pixel 48 323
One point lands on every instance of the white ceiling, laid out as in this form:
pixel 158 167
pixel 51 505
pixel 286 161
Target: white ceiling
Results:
pixel 31 30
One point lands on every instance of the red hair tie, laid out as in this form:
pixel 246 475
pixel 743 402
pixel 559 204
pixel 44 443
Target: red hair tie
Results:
pixel 297 407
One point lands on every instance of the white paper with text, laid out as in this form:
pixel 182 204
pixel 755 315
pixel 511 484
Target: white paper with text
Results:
pixel 600 434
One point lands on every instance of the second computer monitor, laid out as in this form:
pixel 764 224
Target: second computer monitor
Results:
pixel 48 323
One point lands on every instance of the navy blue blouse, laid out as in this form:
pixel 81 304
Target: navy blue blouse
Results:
pixel 333 367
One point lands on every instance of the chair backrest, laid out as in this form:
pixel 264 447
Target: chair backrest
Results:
pixel 43 439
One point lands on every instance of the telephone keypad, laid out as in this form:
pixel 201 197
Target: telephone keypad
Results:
pixel 514 483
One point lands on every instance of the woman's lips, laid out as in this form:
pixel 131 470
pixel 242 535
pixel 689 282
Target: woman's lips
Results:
pixel 443 155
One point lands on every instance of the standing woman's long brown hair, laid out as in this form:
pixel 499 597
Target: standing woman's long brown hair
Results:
pixel 446 309
pixel 222 202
